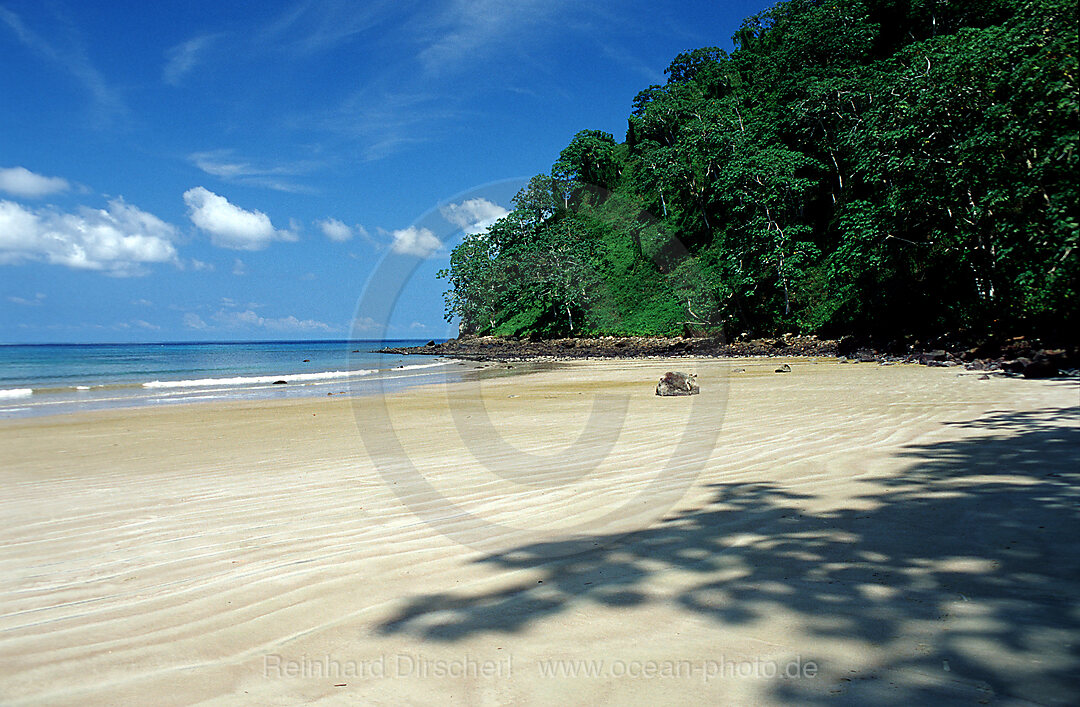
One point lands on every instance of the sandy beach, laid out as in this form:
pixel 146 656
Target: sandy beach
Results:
pixel 856 534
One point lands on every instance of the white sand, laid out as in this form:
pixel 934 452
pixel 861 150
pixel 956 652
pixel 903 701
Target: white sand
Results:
pixel 905 535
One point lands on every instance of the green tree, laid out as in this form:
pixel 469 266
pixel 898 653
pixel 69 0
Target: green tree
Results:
pixel 875 167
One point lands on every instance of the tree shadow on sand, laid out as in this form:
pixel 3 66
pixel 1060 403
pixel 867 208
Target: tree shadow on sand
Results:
pixel 965 563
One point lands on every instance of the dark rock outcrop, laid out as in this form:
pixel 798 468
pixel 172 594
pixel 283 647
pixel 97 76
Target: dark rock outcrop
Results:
pixel 1017 356
pixel 491 348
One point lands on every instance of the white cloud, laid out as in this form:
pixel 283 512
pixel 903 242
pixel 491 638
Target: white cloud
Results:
pixel 142 324
pixel 471 29
pixel 337 231
pixel 20 181
pixel 308 27
pixel 220 164
pixel 248 319
pixel 473 215
pixel 230 226
pixel 182 58
pixel 70 54
pixel 230 317
pixel 37 300
pixel 225 165
pixel 364 324
pixel 119 240
pixel 384 122
pixel 239 268
pixel 420 242
pixel 230 303
pixel 199 265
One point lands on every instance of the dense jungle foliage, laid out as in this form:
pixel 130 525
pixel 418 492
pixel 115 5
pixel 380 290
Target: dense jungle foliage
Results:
pixel 882 168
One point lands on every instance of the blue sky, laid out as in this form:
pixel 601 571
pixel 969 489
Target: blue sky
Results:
pixel 294 169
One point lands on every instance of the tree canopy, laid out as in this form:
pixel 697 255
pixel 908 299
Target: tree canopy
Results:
pixel 884 168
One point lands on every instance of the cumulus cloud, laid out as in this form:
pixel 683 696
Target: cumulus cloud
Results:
pixel 119 240
pixel 124 326
pixel 414 240
pixel 473 215
pixel 230 226
pixel 248 319
pixel 364 325
pixel 338 231
pixel 231 318
pixel 19 181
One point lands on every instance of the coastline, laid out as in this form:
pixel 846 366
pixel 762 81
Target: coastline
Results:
pixel 1016 355
pixel 365 371
pixel 857 517
pixel 498 348
pixel 457 373
pixel 44 379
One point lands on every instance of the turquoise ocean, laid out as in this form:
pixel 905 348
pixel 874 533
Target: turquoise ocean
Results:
pixel 47 379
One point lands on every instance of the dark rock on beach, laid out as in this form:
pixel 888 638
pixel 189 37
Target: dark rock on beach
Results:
pixel 936 356
pixel 1016 356
pixel 491 348
pixel 847 347
pixel 1017 366
pixel 1040 366
pixel 676 383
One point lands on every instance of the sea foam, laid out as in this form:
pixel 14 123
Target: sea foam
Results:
pixel 255 380
pixel 11 393
pixel 424 365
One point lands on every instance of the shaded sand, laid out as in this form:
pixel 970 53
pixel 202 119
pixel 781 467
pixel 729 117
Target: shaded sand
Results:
pixel 838 534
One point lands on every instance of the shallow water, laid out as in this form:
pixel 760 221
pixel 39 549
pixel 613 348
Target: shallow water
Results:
pixel 62 378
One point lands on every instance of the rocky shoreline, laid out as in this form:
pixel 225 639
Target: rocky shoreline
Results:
pixel 1016 356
